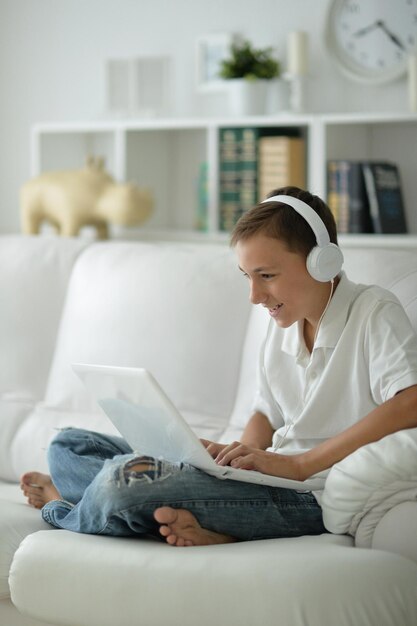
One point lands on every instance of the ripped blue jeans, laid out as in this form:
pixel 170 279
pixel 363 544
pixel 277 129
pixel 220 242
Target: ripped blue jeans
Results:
pixel 103 495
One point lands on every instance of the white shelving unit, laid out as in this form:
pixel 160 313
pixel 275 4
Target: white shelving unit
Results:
pixel 165 154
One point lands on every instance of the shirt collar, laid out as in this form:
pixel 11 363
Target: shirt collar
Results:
pixel 332 324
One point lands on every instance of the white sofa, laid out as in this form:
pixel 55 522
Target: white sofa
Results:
pixel 182 311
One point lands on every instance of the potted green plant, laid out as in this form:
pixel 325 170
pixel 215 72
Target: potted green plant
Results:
pixel 249 72
pixel 250 63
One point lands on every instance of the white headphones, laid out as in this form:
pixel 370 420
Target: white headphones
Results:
pixel 325 260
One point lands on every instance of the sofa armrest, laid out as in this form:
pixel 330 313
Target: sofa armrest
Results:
pixel 367 484
pixel 394 532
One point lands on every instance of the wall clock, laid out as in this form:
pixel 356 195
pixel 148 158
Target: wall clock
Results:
pixel 370 40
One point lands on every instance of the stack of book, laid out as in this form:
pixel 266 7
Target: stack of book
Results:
pixel 238 173
pixel 252 165
pixel 365 196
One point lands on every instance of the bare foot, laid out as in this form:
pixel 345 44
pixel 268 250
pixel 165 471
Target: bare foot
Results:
pixel 180 528
pixel 38 488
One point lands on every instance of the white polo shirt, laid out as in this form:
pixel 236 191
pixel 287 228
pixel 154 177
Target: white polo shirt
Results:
pixel 364 353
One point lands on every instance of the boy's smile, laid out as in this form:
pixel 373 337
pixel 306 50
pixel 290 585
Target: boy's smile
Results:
pixel 274 312
pixel 279 281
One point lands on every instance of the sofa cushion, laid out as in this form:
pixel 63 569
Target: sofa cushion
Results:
pixel 369 482
pixel 180 310
pixel 394 269
pixel 13 414
pixel 396 531
pixel 17 520
pixel 282 581
pixel 34 273
pixel 28 449
pixel 242 410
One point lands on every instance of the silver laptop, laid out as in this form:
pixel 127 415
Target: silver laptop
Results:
pixel 151 424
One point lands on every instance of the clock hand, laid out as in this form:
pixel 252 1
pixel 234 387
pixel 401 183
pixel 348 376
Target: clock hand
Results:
pixel 391 35
pixel 367 29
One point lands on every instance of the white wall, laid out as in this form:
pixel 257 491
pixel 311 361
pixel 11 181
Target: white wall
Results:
pixel 52 55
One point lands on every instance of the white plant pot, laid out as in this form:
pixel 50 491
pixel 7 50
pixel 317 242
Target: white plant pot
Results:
pixel 278 96
pixel 247 97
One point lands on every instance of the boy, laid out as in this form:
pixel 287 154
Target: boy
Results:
pixel 333 377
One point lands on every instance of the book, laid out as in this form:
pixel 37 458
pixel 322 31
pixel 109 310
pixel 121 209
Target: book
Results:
pixel 333 189
pixel 281 163
pixel 238 174
pixel 383 186
pixel 347 196
pixel 359 212
pixel 343 193
pixel 229 178
pixel 251 165
pixel 248 166
pixel 201 221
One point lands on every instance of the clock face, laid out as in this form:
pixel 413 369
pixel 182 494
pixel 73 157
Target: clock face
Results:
pixel 372 39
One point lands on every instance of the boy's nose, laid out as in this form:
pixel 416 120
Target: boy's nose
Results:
pixel 256 296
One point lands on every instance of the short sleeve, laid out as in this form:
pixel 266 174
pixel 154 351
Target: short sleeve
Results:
pixel 391 347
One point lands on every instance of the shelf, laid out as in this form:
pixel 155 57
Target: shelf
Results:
pixel 368 118
pixel 85 126
pixel 282 119
pixel 166 154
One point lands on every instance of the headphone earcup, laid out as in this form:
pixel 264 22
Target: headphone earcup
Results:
pixel 324 263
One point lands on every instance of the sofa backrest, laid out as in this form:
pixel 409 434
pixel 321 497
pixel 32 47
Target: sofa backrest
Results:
pixel 392 268
pixel 182 311
pixel 179 310
pixel 168 308
pixel 34 274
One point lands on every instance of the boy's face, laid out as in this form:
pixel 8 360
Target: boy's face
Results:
pixel 279 280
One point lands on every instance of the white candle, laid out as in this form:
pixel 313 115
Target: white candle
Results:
pixel 412 82
pixel 297 52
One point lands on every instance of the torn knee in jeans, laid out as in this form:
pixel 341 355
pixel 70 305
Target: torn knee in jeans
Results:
pixel 140 468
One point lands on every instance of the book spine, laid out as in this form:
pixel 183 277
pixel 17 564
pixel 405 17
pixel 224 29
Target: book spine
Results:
pixel 281 163
pixel 248 193
pixel 201 222
pixel 229 146
pixel 372 197
pixel 359 217
pixel 347 197
pixel 343 193
pixel 383 185
pixel 332 189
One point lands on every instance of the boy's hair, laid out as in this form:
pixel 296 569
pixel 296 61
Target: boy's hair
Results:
pixel 280 221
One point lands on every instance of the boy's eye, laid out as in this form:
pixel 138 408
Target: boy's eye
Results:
pixel 263 276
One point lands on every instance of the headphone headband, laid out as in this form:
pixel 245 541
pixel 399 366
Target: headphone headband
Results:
pixel 309 214
pixel 325 260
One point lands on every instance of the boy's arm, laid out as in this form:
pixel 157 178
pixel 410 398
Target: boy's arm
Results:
pixel 258 432
pixel 398 413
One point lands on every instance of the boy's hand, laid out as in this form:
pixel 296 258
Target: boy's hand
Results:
pixel 213 448
pixel 241 456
